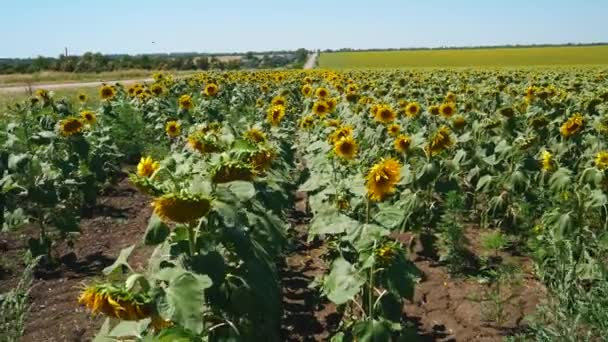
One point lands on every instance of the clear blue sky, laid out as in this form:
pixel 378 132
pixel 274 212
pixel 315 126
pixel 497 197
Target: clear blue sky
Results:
pixel 36 27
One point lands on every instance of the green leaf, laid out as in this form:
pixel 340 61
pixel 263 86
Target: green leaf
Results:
pixel 157 231
pixel 483 182
pixel 343 282
pixel 331 222
pixel 372 331
pixel 389 216
pixel 401 277
pixel 120 262
pixel 130 328
pixel 184 299
pixel 244 191
pixel 137 278
pixel 104 333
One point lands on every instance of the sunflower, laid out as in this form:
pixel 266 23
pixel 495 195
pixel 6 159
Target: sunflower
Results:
pixel 412 109
pixel 440 141
pixel 185 102
pixel 306 90
pixel 386 253
pixel 43 94
pixel 307 122
pixel 332 123
pixel 181 208
pixel 275 115
pixel 394 129
pixel 332 103
pixel 70 126
pixel 173 128
pixel 546 160
pixel 601 160
pixel 447 109
pixel 211 89
pixel 351 88
pixel 572 125
pixel 346 147
pixel 450 97
pixel 255 135
pixel 458 122
pixel 264 88
pixel 382 178
pixel 147 166
pixel 322 92
pixel 116 302
pixel 262 160
pixel 107 92
pixel 232 171
pixel 279 101
pixel 320 108
pixel 507 112
pixel 434 110
pixel 88 117
pixel 402 143
pixel 82 97
pixel 385 114
pixel 203 144
pixel 156 89
pixel 340 133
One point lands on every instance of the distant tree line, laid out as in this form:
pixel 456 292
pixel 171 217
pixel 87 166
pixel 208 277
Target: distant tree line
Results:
pixel 97 62
pixel 507 46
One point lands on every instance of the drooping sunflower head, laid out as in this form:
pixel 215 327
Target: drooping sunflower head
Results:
pixel 507 112
pixel 382 178
pixel 229 171
pixel 412 110
pixel 279 101
pixel 211 89
pixel 321 108
pixel 447 109
pixel 385 114
pixel 306 90
pixel 255 135
pixel 307 122
pixel 275 115
pixel 116 302
pixel 147 166
pixel 82 97
pixel 173 128
pixel 181 208
pixel 107 92
pixel 262 159
pixel 402 143
pixel 394 129
pixel 70 126
pixel 439 141
pixel 88 117
pixel 546 160
pixel 204 142
pixel 601 160
pixel 322 92
pixel 458 122
pixel 450 97
pixel 572 126
pixel 346 147
pixel 185 102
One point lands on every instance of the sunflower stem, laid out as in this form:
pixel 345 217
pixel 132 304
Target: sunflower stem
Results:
pixel 191 239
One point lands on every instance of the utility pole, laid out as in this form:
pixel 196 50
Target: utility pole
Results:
pixel 66 51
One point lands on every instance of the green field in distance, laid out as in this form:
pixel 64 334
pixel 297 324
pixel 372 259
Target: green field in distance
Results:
pixel 563 55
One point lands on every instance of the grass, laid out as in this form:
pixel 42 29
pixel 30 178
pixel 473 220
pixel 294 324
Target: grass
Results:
pixel 13 307
pixel 579 55
pixel 69 77
pixel 71 94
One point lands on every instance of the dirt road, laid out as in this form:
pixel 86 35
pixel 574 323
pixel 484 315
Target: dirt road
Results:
pixel 312 59
pixel 55 86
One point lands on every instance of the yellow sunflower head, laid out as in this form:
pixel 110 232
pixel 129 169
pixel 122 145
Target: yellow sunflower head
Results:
pixel 572 126
pixel 346 147
pixel 339 133
pixel 382 178
pixel 306 90
pixel 279 101
pixel 211 89
pixel 88 117
pixel 107 92
pixel 157 89
pixel 180 208
pixel 601 160
pixel 458 122
pixel 185 102
pixel 173 128
pixel 82 97
pixel 450 97
pixel 70 126
pixel 332 102
pixel 322 92
pixel 412 110
pixel 255 135
pixel 385 114
pixel 546 160
pixel 434 110
pixel 440 141
pixel 320 108
pixel 230 171
pixel 447 109
pixel 147 166
pixel 42 94
pixel 262 159
pixel 394 129
pixel 275 115
pixel 307 122
pixel 116 302
pixel 402 143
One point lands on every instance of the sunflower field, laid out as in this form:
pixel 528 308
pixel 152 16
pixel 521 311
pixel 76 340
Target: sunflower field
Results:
pixel 518 157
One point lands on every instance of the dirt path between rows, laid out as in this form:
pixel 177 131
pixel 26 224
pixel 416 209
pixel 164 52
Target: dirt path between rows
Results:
pixel 57 86
pixel 311 61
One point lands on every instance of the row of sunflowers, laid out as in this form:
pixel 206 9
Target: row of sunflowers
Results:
pixel 384 151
